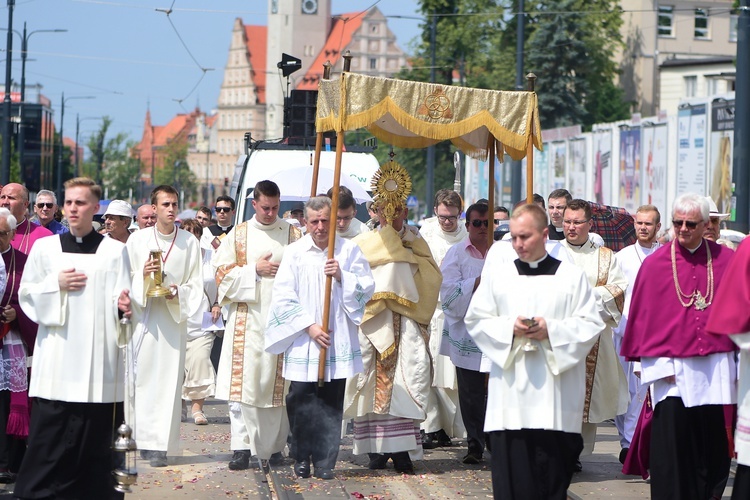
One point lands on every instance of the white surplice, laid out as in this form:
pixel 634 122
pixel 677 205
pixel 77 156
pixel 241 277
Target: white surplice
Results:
pixel 248 377
pixel 356 227
pixel 297 302
pixel 460 270
pixel 442 406
pixel 542 389
pixel 76 353
pixel 630 259
pixel 160 334
pixel 742 434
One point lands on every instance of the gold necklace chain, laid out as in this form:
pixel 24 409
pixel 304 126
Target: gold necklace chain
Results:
pixel 701 301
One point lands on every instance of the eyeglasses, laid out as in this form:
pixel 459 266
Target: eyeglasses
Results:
pixel 480 223
pixel 3 234
pixel 676 223
pixel 43 205
pixel 223 209
pixel 344 219
pixel 575 222
pixel 447 218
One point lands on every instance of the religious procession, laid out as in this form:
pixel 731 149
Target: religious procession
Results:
pixel 514 334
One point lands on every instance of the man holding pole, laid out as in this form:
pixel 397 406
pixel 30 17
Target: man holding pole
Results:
pixel 295 329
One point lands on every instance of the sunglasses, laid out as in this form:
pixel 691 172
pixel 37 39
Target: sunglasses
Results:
pixel 676 223
pixel 43 205
pixel 223 209
pixel 480 223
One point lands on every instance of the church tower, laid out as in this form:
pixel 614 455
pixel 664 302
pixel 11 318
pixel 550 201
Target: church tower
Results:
pixel 298 28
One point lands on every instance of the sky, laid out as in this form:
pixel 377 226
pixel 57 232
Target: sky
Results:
pixel 127 55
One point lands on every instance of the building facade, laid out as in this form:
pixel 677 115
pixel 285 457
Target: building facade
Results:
pixel 657 32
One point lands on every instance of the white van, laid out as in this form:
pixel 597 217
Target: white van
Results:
pixel 263 158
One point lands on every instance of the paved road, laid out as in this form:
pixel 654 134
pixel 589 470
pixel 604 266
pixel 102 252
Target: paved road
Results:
pixel 202 473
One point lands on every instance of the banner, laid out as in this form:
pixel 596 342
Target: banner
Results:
pixel 541 171
pixel 654 160
pixel 722 149
pixel 691 150
pixel 577 168
pixel 603 166
pixel 557 165
pixel 630 169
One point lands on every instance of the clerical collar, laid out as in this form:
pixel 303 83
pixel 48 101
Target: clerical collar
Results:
pixel 547 265
pixel 77 244
pixel 578 246
pixel 225 228
pixel 6 250
pixel 692 250
pixel 558 229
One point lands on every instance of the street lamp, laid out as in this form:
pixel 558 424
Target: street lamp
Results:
pixel 24 52
pixel 5 174
pixel 78 124
pixel 63 100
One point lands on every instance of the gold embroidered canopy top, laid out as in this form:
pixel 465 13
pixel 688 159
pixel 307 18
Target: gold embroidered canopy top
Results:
pixel 416 115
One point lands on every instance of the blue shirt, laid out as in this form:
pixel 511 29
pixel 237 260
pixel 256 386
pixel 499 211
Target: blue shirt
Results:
pixel 56 227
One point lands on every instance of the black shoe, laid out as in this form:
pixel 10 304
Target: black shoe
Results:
pixel 377 461
pixel 158 459
pixel 302 468
pixel 276 459
pixel 240 460
pixel 429 440
pixel 577 467
pixel 7 477
pixel 402 462
pixel 323 473
pixel 623 455
pixel 443 439
pixel 472 458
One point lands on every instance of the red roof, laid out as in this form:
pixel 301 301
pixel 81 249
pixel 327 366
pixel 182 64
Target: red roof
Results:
pixel 256 49
pixel 344 27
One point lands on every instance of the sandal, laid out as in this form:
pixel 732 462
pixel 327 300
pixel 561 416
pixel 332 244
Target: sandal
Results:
pixel 200 418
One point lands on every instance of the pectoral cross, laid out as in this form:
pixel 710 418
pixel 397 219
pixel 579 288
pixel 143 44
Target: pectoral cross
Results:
pixel 700 301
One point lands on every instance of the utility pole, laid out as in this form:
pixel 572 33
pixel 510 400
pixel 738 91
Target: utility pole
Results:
pixel 741 157
pixel 516 165
pixel 5 174
pixel 430 181
pixel 63 100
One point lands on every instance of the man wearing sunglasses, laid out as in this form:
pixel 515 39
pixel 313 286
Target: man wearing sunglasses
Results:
pixel 606 385
pixel 441 233
pixel 212 235
pixel 692 372
pixel 45 208
pixel 461 268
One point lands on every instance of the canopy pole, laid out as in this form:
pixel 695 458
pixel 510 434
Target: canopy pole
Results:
pixel 319 141
pixel 491 194
pixel 531 79
pixel 332 235
pixel 331 249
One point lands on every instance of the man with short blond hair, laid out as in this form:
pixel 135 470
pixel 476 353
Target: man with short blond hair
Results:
pixel 45 208
pixel 538 343
pixel 75 286
pixel 647 223
pixel 15 198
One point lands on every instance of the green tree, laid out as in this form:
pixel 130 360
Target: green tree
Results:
pixel 122 172
pixel 176 170
pixel 571 47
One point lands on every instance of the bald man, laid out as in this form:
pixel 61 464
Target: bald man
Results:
pixel 145 216
pixel 15 198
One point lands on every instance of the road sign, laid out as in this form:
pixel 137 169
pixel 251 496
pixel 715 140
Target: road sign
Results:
pixel 412 202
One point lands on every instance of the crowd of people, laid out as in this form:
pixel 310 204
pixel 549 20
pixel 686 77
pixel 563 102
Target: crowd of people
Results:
pixel 412 336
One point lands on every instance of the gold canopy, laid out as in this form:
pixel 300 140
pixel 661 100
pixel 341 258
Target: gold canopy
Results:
pixel 415 115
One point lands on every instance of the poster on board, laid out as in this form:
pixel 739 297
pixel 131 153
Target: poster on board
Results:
pixel 557 165
pixel 577 167
pixel 720 165
pixel 541 171
pixel 654 161
pixel 603 166
pixel 630 169
pixel 691 150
